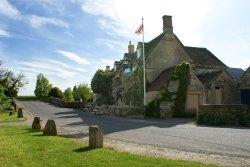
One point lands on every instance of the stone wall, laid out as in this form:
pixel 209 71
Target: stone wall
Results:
pixel 124 110
pixel 230 89
pixel 234 115
pixel 168 53
pixel 245 80
pixel 64 104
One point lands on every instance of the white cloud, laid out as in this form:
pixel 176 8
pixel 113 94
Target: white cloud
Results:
pixel 74 57
pixel 123 17
pixel 79 69
pixel 4 33
pixel 37 21
pixel 43 66
pixel 8 10
pixel 113 45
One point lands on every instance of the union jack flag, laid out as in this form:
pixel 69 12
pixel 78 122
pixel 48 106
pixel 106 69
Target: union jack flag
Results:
pixel 139 30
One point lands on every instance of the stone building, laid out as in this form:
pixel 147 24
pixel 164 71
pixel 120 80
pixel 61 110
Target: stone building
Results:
pixel 211 81
pixel 245 87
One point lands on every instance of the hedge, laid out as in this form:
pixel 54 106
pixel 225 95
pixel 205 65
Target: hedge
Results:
pixel 232 115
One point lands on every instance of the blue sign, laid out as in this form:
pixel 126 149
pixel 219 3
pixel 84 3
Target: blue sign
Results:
pixel 127 72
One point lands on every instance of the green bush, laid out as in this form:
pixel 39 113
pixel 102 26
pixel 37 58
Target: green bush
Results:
pixel 220 115
pixel 56 92
pixel 153 109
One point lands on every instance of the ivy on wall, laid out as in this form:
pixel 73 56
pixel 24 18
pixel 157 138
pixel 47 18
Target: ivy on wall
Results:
pixel 133 88
pixel 181 74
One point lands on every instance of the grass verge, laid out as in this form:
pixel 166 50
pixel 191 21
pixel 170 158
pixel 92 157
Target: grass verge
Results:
pixel 27 98
pixel 4 116
pixel 22 147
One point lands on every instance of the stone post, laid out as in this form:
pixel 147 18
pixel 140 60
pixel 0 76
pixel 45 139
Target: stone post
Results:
pixel 95 137
pixel 50 128
pixel 36 123
pixel 20 113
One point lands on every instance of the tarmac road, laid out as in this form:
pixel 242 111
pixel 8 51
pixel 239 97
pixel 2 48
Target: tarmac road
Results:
pixel 177 134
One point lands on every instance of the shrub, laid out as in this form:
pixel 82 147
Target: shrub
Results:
pixel 56 92
pixel 153 109
pixel 234 115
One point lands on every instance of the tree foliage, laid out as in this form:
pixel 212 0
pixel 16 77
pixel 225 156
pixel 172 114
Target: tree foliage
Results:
pixel 43 86
pixel 11 82
pixel 101 84
pixel 68 95
pixel 82 91
pixel 55 92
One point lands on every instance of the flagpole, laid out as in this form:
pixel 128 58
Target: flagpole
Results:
pixel 144 72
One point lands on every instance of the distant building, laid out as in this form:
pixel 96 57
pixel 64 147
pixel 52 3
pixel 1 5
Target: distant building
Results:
pixel 212 82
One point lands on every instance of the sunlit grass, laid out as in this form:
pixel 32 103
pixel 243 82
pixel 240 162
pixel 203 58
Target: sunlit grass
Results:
pixel 4 116
pixel 22 147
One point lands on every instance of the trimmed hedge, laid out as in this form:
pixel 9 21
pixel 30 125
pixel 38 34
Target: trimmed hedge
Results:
pixel 233 115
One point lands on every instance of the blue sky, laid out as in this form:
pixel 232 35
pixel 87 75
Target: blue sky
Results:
pixel 68 40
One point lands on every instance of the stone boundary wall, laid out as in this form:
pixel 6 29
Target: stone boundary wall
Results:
pixel 64 104
pixel 225 114
pixel 115 110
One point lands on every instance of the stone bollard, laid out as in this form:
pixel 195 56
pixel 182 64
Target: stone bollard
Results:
pixel 20 113
pixel 95 137
pixel 50 128
pixel 10 113
pixel 36 123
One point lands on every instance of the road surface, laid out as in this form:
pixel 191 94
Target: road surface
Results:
pixel 177 134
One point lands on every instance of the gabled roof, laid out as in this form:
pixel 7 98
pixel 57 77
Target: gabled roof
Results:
pixel 149 46
pixel 236 73
pixel 247 70
pixel 161 80
pixel 207 78
pixel 203 57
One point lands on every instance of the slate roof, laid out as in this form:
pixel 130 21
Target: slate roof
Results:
pixel 161 80
pixel 203 57
pixel 236 73
pixel 207 78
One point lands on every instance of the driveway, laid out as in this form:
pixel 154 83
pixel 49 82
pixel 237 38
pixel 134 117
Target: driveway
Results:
pixel 177 134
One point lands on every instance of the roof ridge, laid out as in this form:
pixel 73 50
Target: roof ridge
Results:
pixel 195 47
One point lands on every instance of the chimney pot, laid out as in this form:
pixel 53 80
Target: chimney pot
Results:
pixel 167 24
pixel 107 68
pixel 130 48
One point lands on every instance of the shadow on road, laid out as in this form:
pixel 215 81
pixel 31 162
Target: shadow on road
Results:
pixel 111 124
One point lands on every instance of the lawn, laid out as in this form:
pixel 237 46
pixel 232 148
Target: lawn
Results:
pixel 4 116
pixel 19 146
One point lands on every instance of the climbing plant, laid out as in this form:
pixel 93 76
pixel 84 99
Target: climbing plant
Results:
pixel 181 74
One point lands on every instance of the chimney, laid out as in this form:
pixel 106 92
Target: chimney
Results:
pixel 167 24
pixel 107 68
pixel 130 48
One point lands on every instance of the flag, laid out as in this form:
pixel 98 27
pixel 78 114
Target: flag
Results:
pixel 139 30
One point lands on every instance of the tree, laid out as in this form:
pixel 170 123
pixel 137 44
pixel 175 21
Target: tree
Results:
pixel 55 92
pixel 82 91
pixel 101 84
pixel 68 95
pixel 43 86
pixel 11 82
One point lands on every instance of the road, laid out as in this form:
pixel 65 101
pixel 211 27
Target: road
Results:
pixel 177 134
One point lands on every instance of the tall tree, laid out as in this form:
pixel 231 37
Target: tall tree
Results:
pixel 43 86
pixel 82 91
pixel 11 82
pixel 68 95
pixel 101 84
